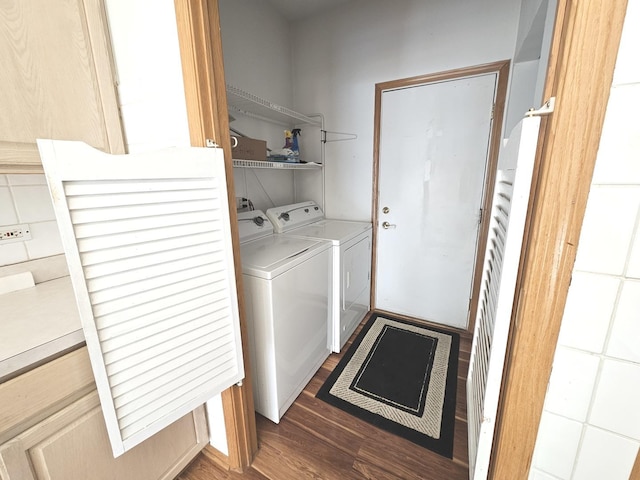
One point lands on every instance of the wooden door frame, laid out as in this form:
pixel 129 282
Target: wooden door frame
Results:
pixel 501 69
pixel 584 49
pixel 583 55
pixel 198 25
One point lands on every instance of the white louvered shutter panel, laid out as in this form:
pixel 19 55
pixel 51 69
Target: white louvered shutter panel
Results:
pixel 148 243
pixel 497 290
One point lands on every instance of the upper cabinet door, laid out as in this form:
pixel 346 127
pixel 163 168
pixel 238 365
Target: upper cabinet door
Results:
pixel 148 243
pixel 57 79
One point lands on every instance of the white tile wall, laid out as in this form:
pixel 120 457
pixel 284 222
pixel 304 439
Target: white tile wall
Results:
pixel 45 240
pixel 617 399
pixel 604 455
pixel 25 199
pixel 627 65
pixel 608 225
pixel 8 215
pixel 32 203
pixel 620 142
pixel 538 475
pixel 625 332
pixel 595 382
pixel 588 311
pixel 633 267
pixel 559 439
pixel 571 383
pixel 13 253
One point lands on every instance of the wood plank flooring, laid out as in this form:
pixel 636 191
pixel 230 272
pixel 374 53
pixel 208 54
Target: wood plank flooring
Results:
pixel 317 441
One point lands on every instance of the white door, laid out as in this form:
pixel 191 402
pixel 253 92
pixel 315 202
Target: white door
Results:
pixel 434 143
pixel 497 289
pixel 148 243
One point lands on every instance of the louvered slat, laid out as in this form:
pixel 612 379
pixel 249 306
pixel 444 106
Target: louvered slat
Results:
pixel 497 289
pixel 123 326
pixel 150 260
pixel 148 242
pixel 162 304
pixel 129 252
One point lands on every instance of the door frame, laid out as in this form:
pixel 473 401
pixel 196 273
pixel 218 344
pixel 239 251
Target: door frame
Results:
pixel 584 49
pixel 198 23
pixel 501 69
pixel 582 59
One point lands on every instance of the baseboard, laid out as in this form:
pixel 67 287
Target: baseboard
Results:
pixel 216 456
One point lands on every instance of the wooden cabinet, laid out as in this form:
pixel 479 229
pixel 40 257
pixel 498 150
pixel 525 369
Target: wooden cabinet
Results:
pixel 72 443
pixel 57 79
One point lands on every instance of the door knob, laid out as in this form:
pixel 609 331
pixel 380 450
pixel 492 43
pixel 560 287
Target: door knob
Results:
pixel 385 210
pixel 387 225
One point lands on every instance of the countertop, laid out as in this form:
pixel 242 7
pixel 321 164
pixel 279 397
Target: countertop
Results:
pixel 37 324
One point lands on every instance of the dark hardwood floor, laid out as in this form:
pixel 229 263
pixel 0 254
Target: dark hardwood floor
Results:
pixel 317 441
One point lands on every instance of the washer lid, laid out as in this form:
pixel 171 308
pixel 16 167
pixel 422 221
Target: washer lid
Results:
pixel 270 256
pixel 337 231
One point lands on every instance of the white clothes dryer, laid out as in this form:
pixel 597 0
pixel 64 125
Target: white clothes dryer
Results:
pixel 286 293
pixel 351 262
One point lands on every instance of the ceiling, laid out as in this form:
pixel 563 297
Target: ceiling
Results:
pixel 298 9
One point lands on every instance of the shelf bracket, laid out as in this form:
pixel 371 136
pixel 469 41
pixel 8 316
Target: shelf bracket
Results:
pixel 349 136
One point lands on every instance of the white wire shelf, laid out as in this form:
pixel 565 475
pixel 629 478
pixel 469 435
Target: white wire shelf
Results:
pixel 281 165
pixel 251 105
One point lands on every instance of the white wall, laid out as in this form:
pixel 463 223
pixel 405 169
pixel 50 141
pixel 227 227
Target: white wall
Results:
pixel 144 36
pixel 530 60
pixel 521 91
pixel 590 426
pixel 339 56
pixel 257 59
pixel 25 199
pixel 257 53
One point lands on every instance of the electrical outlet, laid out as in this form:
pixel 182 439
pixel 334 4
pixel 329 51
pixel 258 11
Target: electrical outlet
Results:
pixel 241 203
pixel 14 233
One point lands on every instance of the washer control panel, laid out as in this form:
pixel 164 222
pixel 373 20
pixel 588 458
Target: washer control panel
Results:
pixel 253 224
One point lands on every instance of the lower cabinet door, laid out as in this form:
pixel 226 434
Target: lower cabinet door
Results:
pixel 73 444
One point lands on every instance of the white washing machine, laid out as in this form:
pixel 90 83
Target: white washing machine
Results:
pixel 286 292
pixel 351 262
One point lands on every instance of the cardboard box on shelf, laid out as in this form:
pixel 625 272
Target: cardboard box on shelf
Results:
pixel 249 149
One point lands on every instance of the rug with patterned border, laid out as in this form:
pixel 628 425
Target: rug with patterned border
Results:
pixel 402 377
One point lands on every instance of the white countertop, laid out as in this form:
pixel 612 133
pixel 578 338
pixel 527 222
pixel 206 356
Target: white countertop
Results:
pixel 36 324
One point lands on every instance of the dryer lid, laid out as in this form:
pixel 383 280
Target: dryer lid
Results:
pixel 337 231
